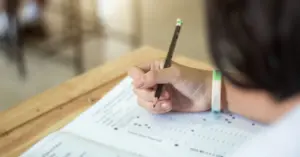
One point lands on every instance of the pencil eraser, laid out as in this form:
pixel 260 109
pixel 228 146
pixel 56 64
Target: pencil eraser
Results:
pixel 179 22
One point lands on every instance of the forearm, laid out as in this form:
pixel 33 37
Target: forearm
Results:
pixel 253 104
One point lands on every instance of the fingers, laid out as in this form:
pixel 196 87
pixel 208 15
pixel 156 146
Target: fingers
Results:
pixel 153 77
pixel 163 76
pixel 148 94
pixel 150 74
pixel 137 72
pixel 137 75
pixel 154 65
pixel 162 106
pixel 145 78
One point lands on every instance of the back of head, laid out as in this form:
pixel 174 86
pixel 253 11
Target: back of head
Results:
pixel 258 39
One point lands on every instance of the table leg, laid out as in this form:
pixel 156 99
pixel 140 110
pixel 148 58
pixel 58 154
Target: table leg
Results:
pixel 73 28
pixel 14 36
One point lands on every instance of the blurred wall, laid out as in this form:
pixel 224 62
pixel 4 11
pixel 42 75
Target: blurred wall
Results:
pixel 153 21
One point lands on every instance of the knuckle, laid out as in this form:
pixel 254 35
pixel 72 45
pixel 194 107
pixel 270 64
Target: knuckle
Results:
pixel 159 63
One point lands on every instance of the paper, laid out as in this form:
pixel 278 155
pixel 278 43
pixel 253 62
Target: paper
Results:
pixel 66 145
pixel 118 121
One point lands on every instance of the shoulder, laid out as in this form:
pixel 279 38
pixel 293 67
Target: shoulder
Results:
pixel 280 139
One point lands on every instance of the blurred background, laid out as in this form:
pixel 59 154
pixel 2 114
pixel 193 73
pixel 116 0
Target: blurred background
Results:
pixel 46 42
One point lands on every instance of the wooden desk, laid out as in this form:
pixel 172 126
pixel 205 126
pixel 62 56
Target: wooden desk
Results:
pixel 30 121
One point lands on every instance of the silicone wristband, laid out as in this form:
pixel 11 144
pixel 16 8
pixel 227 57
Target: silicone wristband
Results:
pixel 216 91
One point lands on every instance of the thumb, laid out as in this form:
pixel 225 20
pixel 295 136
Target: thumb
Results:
pixel 162 76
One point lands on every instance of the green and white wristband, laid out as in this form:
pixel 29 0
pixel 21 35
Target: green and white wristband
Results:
pixel 216 91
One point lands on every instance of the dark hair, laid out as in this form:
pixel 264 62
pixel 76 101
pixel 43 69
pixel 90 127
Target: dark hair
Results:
pixel 260 40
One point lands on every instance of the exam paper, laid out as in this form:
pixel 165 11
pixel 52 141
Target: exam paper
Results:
pixel 118 121
pixel 60 144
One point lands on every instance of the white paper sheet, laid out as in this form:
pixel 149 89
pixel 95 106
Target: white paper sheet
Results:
pixel 66 145
pixel 118 121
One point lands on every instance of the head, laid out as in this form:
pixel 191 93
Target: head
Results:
pixel 260 41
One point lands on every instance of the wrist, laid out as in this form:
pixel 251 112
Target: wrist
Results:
pixel 224 99
pixel 218 92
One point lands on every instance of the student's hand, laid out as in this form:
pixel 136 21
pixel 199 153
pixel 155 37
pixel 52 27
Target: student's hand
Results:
pixel 185 90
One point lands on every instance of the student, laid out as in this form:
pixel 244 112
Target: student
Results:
pixel 259 41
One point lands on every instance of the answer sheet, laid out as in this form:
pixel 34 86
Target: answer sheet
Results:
pixel 60 144
pixel 117 120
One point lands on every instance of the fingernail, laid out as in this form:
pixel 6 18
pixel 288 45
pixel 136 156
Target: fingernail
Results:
pixel 165 106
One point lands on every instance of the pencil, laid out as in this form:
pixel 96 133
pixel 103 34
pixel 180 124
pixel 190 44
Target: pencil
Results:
pixel 169 56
